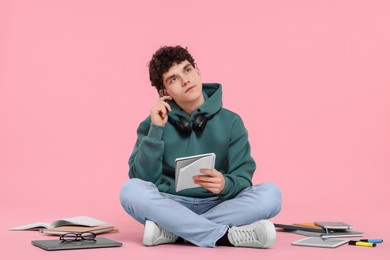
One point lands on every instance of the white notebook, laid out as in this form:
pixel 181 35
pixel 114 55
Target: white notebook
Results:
pixel 188 167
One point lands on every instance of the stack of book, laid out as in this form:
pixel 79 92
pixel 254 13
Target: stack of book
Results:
pixel 323 229
pixel 74 224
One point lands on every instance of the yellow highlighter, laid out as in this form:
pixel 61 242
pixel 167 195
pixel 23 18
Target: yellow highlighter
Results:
pixel 360 243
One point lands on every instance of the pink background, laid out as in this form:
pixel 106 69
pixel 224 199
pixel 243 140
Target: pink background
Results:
pixel 309 78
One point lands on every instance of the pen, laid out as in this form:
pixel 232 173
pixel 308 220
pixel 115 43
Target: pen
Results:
pixel 360 243
pixel 372 240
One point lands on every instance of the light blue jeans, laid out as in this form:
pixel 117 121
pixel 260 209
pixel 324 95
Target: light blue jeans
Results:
pixel 201 221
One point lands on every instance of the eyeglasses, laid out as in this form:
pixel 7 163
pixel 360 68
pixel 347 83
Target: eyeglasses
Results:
pixel 71 237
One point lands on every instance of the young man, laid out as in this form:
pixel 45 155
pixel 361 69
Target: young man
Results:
pixel 189 119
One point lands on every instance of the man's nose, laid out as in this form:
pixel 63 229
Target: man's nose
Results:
pixel 186 80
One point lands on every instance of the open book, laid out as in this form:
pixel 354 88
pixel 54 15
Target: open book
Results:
pixel 73 221
pixel 188 167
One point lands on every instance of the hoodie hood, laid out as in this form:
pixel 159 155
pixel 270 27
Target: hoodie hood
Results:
pixel 212 93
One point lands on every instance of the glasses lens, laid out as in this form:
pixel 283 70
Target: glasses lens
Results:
pixel 69 237
pixel 88 236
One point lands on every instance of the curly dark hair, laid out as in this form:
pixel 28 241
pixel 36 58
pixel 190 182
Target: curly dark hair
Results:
pixel 162 61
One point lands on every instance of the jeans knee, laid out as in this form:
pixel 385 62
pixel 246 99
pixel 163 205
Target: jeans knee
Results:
pixel 273 197
pixel 276 196
pixel 274 190
pixel 130 190
pixel 132 197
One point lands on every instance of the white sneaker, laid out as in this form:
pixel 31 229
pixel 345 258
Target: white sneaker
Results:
pixel 260 234
pixel 155 235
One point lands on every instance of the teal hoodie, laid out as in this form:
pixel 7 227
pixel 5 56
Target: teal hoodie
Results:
pixel 157 147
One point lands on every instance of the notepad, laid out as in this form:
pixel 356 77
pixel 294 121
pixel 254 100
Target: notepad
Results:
pixel 188 167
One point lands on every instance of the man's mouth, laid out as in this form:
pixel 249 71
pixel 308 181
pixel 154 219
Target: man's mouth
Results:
pixel 189 89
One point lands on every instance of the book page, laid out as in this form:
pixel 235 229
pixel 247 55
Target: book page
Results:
pixel 32 226
pixel 78 221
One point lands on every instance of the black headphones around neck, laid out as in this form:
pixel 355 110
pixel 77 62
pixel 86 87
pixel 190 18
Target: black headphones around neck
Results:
pixel 185 128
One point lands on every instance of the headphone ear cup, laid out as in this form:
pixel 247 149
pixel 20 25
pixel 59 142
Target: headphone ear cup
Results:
pixel 183 126
pixel 199 123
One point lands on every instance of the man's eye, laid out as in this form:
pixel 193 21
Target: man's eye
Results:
pixel 172 81
pixel 188 69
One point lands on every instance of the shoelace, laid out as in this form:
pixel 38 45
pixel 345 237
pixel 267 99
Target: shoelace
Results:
pixel 167 234
pixel 241 236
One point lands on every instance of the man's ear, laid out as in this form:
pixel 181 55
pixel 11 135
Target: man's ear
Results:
pixel 161 92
